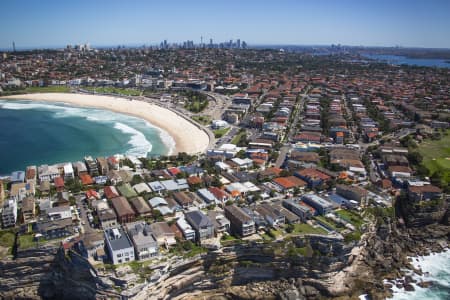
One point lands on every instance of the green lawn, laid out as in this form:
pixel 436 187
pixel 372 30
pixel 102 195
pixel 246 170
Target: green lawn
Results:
pixel 436 155
pixel 218 133
pixel 26 241
pixel 307 229
pixel 114 90
pixel 238 137
pixel 327 222
pixel 6 238
pixel 205 120
pixel 350 216
pixel 48 89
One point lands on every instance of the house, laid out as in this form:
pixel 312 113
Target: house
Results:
pixel 80 168
pixel 9 213
pixel 28 209
pixel 352 192
pixel 175 185
pixel 17 177
pixel 59 184
pixel 207 196
pixel 111 192
pixel 142 188
pixel 272 215
pixel 113 163
pixel 243 164
pixel 145 244
pixel 59 212
pixel 91 166
pixel 141 207
pixel 47 172
pixel 297 208
pixel 288 184
pixel 52 229
pixel 102 165
pixel 221 224
pixel 19 191
pixel 321 205
pixel 241 223
pixel 119 246
pixel 44 187
pixel 107 218
pixel 92 195
pixel 100 180
pixel 114 177
pixel 186 229
pixel 424 192
pixel 86 179
pixel 160 204
pixel 156 187
pixel 313 177
pixel 31 174
pixel 163 234
pixel 400 171
pixel 125 213
pixel 183 199
pixel 126 190
pixel 203 226
pixel 68 171
pixel 220 194
pixel 92 245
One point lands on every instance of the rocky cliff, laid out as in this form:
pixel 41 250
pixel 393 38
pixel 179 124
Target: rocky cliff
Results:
pixel 51 273
pixel 309 267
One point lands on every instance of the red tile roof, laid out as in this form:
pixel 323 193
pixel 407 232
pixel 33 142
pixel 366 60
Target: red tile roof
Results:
pixel 86 179
pixel 289 182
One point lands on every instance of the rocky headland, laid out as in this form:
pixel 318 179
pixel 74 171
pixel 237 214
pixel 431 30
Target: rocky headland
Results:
pixel 304 267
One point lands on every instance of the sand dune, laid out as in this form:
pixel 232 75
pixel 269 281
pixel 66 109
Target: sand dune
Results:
pixel 188 137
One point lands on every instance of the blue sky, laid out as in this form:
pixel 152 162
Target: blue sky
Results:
pixel 424 23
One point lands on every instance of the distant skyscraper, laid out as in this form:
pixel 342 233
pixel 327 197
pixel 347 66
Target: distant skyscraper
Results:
pixel 14 46
pixel 238 43
pixel 211 42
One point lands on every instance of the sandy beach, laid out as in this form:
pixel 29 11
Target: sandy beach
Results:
pixel 188 137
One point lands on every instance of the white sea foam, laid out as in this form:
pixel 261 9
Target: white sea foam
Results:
pixel 165 137
pixel 436 269
pixel 140 146
pixel 138 142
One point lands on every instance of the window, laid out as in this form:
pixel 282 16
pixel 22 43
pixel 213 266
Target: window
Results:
pixel 127 259
pixel 119 255
pixel 127 254
pixel 119 261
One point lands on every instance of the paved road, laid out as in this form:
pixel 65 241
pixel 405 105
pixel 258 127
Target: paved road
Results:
pixel 282 156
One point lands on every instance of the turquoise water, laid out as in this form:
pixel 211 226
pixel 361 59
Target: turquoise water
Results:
pixel 403 60
pixel 34 133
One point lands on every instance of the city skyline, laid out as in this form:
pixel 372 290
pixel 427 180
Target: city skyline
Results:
pixel 40 24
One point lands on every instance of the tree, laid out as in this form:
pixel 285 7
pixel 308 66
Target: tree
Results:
pixel 415 157
pixel 136 179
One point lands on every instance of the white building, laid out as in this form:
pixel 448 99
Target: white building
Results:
pixel 186 229
pixel 9 213
pixel 59 212
pixel 218 124
pixel 68 171
pixel 48 173
pixel 119 246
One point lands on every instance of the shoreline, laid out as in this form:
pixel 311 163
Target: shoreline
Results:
pixel 187 136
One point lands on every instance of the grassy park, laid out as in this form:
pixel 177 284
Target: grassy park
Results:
pixel 436 156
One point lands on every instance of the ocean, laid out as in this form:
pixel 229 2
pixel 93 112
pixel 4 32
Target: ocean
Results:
pixel 403 60
pixel 35 133
pixel 435 268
